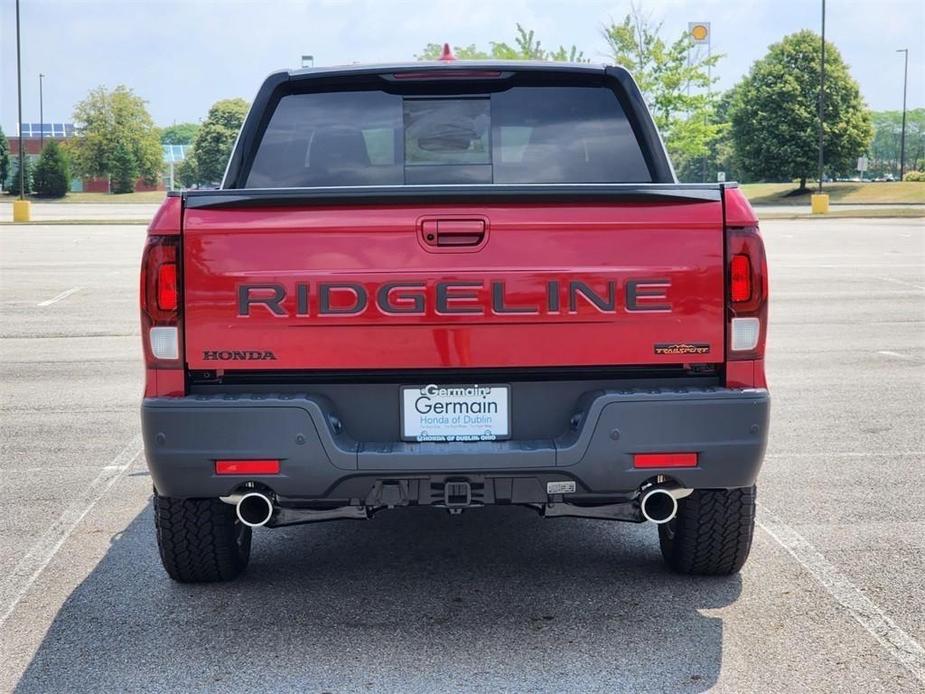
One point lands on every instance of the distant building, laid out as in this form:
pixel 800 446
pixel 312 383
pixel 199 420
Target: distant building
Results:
pixel 35 133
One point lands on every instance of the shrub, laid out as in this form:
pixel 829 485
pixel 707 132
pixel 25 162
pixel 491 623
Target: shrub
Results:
pixel 915 176
pixel 52 174
pixel 4 158
pixel 124 170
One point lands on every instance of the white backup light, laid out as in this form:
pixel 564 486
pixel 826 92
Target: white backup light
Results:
pixel 745 333
pixel 164 342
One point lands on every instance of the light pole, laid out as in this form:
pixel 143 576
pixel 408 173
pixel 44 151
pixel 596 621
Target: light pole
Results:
pixel 821 98
pixel 902 137
pixel 41 115
pixel 21 207
pixel 22 171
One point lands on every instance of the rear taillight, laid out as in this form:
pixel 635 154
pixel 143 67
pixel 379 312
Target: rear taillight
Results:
pixel 160 302
pixel 747 293
pixel 167 287
pixel 740 278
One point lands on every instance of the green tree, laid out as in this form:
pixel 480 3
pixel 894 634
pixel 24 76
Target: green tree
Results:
pixel 4 158
pixel 774 113
pixel 27 182
pixel 721 154
pixel 884 149
pixel 113 121
pixel 179 134
pixel 52 176
pixel 124 169
pixel 185 172
pixel 214 141
pixel 675 81
pixel 526 47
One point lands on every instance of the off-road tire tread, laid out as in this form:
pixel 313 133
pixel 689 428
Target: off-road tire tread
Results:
pixel 712 532
pixel 196 540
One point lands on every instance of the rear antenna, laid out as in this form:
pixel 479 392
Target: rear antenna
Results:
pixel 447 54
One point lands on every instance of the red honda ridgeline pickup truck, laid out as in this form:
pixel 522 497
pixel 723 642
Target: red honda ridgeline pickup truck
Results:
pixel 453 284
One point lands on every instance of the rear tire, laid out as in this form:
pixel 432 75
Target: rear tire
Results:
pixel 712 533
pixel 200 540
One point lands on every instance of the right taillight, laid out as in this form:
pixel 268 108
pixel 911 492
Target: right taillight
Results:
pixel 746 293
pixel 160 302
pixel 167 287
pixel 740 278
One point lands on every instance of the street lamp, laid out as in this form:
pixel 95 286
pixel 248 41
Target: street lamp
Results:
pixel 41 115
pixel 21 207
pixel 821 98
pixel 22 171
pixel 902 137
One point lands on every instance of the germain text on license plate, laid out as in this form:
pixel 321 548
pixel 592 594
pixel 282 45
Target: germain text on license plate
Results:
pixel 455 413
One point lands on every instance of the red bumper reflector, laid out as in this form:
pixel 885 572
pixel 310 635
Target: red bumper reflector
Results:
pixel 647 460
pixel 246 467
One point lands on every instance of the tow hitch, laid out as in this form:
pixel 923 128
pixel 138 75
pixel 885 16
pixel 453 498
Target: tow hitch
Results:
pixel 457 495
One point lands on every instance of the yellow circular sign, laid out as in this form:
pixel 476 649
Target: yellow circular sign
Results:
pixel 699 32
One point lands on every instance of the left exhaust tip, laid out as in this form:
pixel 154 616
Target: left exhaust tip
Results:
pixel 658 506
pixel 254 509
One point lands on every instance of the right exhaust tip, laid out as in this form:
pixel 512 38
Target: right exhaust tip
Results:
pixel 254 509
pixel 658 506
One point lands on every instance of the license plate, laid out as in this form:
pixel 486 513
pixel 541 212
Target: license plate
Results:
pixel 455 413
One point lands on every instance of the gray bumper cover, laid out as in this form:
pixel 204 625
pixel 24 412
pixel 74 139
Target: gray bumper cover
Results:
pixel 184 436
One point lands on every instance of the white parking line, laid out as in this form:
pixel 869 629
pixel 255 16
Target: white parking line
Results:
pixel 15 585
pixel 905 649
pixel 62 295
pixel 888 353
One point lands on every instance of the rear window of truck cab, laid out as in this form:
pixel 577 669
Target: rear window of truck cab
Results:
pixel 524 134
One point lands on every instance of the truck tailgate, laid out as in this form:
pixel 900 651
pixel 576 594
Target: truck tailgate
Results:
pixel 304 287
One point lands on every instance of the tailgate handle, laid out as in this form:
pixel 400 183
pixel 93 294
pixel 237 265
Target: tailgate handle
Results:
pixel 453 232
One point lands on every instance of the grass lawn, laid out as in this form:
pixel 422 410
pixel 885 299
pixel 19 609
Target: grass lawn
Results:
pixel 153 196
pixel 846 193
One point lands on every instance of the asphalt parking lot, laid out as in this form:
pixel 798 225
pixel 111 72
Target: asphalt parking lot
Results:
pixel 832 599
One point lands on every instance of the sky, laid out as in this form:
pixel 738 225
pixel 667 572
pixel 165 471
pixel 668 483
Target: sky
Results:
pixel 183 55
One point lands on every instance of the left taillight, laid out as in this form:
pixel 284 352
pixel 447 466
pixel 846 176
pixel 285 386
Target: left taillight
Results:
pixel 746 293
pixel 161 292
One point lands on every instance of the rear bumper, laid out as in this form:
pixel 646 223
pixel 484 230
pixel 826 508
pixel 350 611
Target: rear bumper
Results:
pixel 184 436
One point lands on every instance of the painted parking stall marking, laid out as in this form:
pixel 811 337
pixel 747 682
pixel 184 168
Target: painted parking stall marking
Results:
pixel 902 647
pixel 15 585
pixel 59 297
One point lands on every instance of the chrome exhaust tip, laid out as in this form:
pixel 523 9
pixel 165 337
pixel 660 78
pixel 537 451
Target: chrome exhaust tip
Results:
pixel 658 505
pixel 254 509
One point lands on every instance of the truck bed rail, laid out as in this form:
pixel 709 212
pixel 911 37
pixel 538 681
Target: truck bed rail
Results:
pixel 377 195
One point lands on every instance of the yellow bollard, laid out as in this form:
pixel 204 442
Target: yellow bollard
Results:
pixel 22 210
pixel 820 203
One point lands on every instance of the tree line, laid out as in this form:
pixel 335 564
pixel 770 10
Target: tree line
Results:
pixel 118 140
